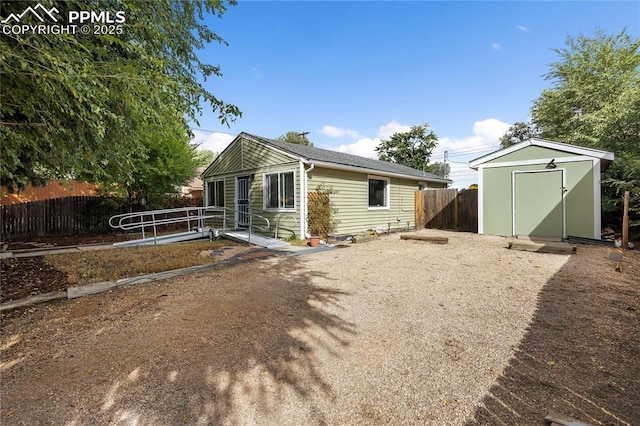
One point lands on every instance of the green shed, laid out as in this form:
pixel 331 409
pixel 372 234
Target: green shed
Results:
pixel 540 188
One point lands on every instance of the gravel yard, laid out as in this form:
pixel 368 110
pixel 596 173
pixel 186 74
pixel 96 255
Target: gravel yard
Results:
pixel 385 332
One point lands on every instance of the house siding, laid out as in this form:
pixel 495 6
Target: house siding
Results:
pixel 245 155
pixel 351 200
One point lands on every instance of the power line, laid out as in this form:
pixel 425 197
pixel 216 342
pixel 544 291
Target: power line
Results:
pixel 213 131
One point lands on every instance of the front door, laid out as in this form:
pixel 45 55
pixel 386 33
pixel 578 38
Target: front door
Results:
pixel 242 201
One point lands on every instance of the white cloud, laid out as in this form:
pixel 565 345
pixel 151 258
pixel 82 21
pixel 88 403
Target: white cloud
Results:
pixel 387 130
pixel 486 135
pixel 214 141
pixel 496 46
pixel 491 128
pixel 522 28
pixel 339 132
pixel 365 147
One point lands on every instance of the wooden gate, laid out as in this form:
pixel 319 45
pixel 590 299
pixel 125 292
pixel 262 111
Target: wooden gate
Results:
pixel 447 209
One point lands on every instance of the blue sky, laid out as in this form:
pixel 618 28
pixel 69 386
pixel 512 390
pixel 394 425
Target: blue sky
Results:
pixel 353 73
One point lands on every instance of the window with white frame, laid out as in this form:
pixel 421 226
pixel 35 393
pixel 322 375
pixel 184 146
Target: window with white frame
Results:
pixel 279 191
pixel 215 193
pixel 378 192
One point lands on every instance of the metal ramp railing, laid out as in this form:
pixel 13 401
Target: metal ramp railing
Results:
pixel 195 219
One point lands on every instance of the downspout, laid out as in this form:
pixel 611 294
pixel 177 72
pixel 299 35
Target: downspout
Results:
pixel 304 225
pixel 302 203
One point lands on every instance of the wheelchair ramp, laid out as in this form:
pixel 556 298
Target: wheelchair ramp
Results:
pixel 165 239
pixel 257 239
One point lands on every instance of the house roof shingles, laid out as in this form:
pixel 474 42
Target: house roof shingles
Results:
pixel 311 153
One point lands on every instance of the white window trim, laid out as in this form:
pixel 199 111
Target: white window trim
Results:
pixel 265 194
pixel 224 190
pixel 387 192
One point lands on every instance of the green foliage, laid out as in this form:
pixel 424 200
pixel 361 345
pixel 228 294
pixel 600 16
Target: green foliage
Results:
pixel 299 138
pixel 412 148
pixel 595 102
pixel 438 168
pixel 519 132
pixel 320 212
pixel 205 157
pixel 95 105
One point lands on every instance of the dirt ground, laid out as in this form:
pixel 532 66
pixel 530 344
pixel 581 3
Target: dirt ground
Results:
pixel 386 332
pixel 29 276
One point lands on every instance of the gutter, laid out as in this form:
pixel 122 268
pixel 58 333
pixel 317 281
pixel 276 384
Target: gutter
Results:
pixel 379 172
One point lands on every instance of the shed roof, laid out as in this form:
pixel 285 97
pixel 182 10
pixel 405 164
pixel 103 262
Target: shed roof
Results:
pixel 328 158
pixel 563 147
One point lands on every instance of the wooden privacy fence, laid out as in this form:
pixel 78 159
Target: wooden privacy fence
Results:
pixel 447 209
pixel 56 217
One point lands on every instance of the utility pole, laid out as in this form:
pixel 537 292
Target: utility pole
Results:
pixel 303 134
pixel 446 158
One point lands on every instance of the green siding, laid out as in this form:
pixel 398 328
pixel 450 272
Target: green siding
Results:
pixel 538 203
pixel 531 153
pixel 579 199
pixel 351 200
pixel 245 155
pixel 496 208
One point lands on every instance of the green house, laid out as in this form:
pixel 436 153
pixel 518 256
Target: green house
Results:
pixel 267 181
pixel 540 188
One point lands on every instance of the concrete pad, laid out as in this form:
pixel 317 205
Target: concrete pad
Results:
pixel 543 247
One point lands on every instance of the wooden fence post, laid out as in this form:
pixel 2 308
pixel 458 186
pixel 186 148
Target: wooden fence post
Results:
pixel 419 219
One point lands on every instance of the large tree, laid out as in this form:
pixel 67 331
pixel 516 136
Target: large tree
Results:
pixel 412 148
pixel 94 106
pixel 299 138
pixel 595 102
pixel 519 132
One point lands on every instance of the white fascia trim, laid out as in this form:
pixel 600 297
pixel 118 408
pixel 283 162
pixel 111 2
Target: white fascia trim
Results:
pixel 303 198
pixel 378 172
pixel 580 150
pixel 541 161
pixel 593 153
pixel 473 164
pixel 481 200
pixel 597 201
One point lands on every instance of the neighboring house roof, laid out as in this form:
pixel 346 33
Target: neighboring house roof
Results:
pixel 572 149
pixel 327 158
pixel 196 183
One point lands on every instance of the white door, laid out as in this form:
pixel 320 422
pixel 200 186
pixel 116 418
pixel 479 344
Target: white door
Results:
pixel 242 201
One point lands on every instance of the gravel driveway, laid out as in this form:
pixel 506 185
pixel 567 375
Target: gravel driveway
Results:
pixel 385 332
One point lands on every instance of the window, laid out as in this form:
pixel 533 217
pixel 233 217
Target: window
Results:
pixel 378 193
pixel 215 193
pixel 279 190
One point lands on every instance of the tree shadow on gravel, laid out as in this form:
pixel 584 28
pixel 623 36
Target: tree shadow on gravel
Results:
pixel 230 346
pixel 580 356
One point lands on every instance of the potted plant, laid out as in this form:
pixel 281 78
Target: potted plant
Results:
pixel 320 214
